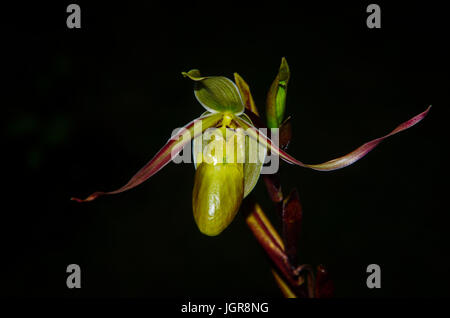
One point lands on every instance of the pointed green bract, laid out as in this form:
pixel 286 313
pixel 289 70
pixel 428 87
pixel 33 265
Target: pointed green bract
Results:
pixel 246 95
pixel 276 97
pixel 217 94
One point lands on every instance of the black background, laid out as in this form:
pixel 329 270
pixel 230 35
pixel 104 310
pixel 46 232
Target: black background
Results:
pixel 85 108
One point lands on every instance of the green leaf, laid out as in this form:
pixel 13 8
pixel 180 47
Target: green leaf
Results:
pixel 217 94
pixel 276 97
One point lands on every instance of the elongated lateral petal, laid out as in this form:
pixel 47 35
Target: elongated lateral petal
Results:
pixel 165 155
pixel 337 163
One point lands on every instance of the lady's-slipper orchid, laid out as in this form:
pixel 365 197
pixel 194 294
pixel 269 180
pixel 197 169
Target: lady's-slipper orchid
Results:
pixel 222 138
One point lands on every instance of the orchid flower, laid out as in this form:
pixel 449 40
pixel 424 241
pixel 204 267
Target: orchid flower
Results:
pixel 224 178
